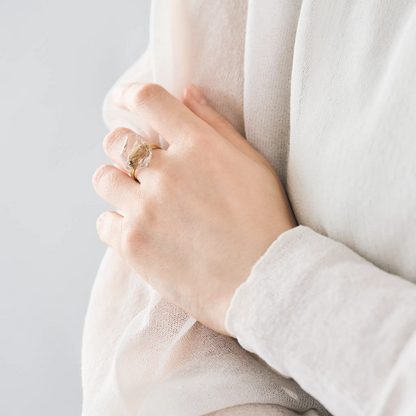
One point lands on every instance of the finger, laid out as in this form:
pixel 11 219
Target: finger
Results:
pixel 166 114
pixel 196 102
pixel 109 227
pixel 116 187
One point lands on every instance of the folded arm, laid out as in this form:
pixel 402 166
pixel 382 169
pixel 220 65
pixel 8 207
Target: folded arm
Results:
pixel 343 328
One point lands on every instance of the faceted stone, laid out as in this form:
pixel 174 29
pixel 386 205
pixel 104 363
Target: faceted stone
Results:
pixel 136 153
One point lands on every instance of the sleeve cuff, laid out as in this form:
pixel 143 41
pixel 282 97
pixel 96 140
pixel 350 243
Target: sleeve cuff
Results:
pixel 316 311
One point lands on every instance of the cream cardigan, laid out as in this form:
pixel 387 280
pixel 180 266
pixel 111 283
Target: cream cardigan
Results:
pixel 326 90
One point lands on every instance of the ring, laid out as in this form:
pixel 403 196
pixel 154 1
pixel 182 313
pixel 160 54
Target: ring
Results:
pixel 136 153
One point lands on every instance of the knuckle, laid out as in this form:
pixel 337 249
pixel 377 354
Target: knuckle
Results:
pixel 101 223
pixel 99 174
pixel 105 177
pixel 146 93
pixel 113 137
pixel 100 220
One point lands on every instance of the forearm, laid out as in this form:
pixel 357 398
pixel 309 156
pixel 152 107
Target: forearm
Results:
pixel 316 311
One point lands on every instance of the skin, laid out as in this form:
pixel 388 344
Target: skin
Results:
pixel 205 211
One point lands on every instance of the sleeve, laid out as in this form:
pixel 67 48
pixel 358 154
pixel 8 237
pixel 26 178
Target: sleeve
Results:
pixel 342 328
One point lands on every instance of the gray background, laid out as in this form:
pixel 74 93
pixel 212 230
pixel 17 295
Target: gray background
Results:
pixel 57 60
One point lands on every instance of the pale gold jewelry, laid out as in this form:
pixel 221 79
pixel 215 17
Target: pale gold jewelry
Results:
pixel 136 153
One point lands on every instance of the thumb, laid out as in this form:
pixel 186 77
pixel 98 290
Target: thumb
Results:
pixel 196 102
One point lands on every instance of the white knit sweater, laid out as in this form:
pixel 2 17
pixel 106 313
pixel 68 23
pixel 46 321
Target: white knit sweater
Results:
pixel 326 90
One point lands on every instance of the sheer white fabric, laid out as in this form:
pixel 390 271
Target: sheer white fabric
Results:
pixel 333 302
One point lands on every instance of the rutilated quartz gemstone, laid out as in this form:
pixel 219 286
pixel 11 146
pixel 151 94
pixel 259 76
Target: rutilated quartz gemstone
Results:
pixel 136 153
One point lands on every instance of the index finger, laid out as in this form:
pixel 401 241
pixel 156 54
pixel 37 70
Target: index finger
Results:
pixel 165 113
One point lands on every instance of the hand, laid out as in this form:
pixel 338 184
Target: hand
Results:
pixel 205 211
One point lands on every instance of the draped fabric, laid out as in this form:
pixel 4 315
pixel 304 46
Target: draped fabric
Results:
pixel 326 91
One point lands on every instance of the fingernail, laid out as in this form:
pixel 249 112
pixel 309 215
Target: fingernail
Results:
pixel 198 97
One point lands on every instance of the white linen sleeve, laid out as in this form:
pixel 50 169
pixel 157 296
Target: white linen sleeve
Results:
pixel 341 327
